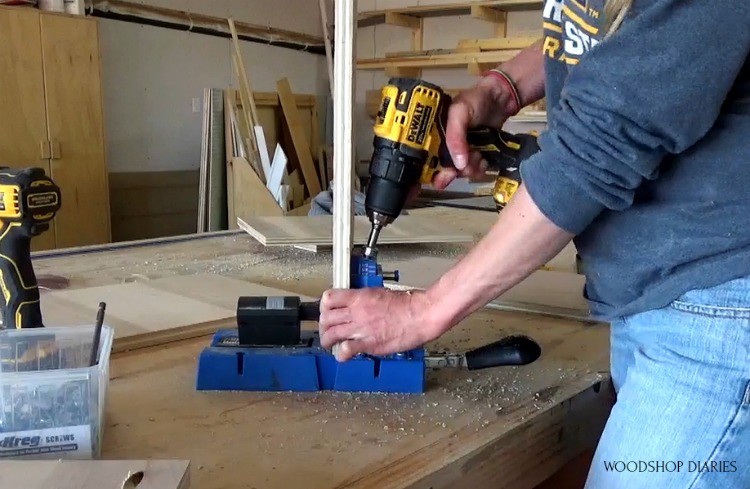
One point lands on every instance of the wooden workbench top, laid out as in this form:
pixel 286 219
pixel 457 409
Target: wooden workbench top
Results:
pixel 506 427
pixel 509 427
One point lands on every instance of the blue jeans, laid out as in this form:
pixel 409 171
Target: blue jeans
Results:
pixel 682 377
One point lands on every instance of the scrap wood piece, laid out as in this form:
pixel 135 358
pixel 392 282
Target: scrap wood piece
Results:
pixel 248 105
pixel 265 159
pixel 294 181
pixel 154 312
pixel 244 79
pixel 95 474
pixel 318 230
pixel 251 196
pixel 299 140
pixel 249 133
pixel 276 175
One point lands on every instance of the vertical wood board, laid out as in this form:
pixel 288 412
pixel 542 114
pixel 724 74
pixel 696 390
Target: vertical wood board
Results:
pixel 217 178
pixel 300 142
pixel 343 140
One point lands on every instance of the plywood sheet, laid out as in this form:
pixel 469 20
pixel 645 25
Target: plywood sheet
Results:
pixel 215 289
pixel 318 230
pixel 550 290
pixel 155 311
pixel 95 474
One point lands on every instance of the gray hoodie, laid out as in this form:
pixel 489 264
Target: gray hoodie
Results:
pixel 646 157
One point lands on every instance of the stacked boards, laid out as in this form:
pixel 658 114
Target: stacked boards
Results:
pixel 261 152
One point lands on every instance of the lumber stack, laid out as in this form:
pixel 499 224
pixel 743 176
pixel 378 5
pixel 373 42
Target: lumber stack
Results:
pixel 474 54
pixel 261 154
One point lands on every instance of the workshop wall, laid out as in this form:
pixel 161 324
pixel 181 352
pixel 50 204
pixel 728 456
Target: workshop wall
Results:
pixel 154 78
pixel 153 81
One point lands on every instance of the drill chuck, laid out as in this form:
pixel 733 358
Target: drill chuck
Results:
pixel 394 170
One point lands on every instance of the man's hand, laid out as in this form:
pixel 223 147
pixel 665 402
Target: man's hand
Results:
pixel 489 103
pixel 485 104
pixel 375 321
pixel 379 321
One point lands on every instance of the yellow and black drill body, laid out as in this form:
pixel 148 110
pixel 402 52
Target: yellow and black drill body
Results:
pixel 409 148
pixel 28 202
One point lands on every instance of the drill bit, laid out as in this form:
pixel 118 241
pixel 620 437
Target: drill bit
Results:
pixel 372 239
pixel 379 221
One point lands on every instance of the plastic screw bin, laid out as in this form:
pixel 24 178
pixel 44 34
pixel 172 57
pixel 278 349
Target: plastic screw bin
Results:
pixel 51 400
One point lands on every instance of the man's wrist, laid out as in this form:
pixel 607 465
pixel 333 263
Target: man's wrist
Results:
pixel 524 71
pixel 501 92
pixel 508 85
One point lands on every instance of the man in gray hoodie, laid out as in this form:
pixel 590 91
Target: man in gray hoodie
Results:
pixel 645 165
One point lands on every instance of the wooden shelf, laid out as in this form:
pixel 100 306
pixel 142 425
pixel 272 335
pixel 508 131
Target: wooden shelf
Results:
pixel 472 60
pixel 496 44
pixel 375 17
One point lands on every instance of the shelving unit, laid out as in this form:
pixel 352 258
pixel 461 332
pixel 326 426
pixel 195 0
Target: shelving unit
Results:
pixel 411 65
pixel 487 8
pixel 475 55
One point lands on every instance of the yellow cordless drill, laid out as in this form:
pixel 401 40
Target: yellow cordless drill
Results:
pixel 409 148
pixel 28 202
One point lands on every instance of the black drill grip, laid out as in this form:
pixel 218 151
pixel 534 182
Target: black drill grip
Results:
pixel 512 350
pixel 502 150
pixel 18 283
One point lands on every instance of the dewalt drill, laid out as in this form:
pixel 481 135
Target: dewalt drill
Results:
pixel 28 202
pixel 409 148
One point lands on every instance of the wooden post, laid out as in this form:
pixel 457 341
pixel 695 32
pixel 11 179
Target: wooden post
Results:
pixel 343 139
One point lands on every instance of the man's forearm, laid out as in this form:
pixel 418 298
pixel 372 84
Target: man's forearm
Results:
pixel 521 241
pixel 527 71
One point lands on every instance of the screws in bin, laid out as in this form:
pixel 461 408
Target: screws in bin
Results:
pixel 97 333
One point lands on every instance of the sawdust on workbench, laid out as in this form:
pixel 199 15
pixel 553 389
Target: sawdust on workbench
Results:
pixel 289 263
pixel 455 400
